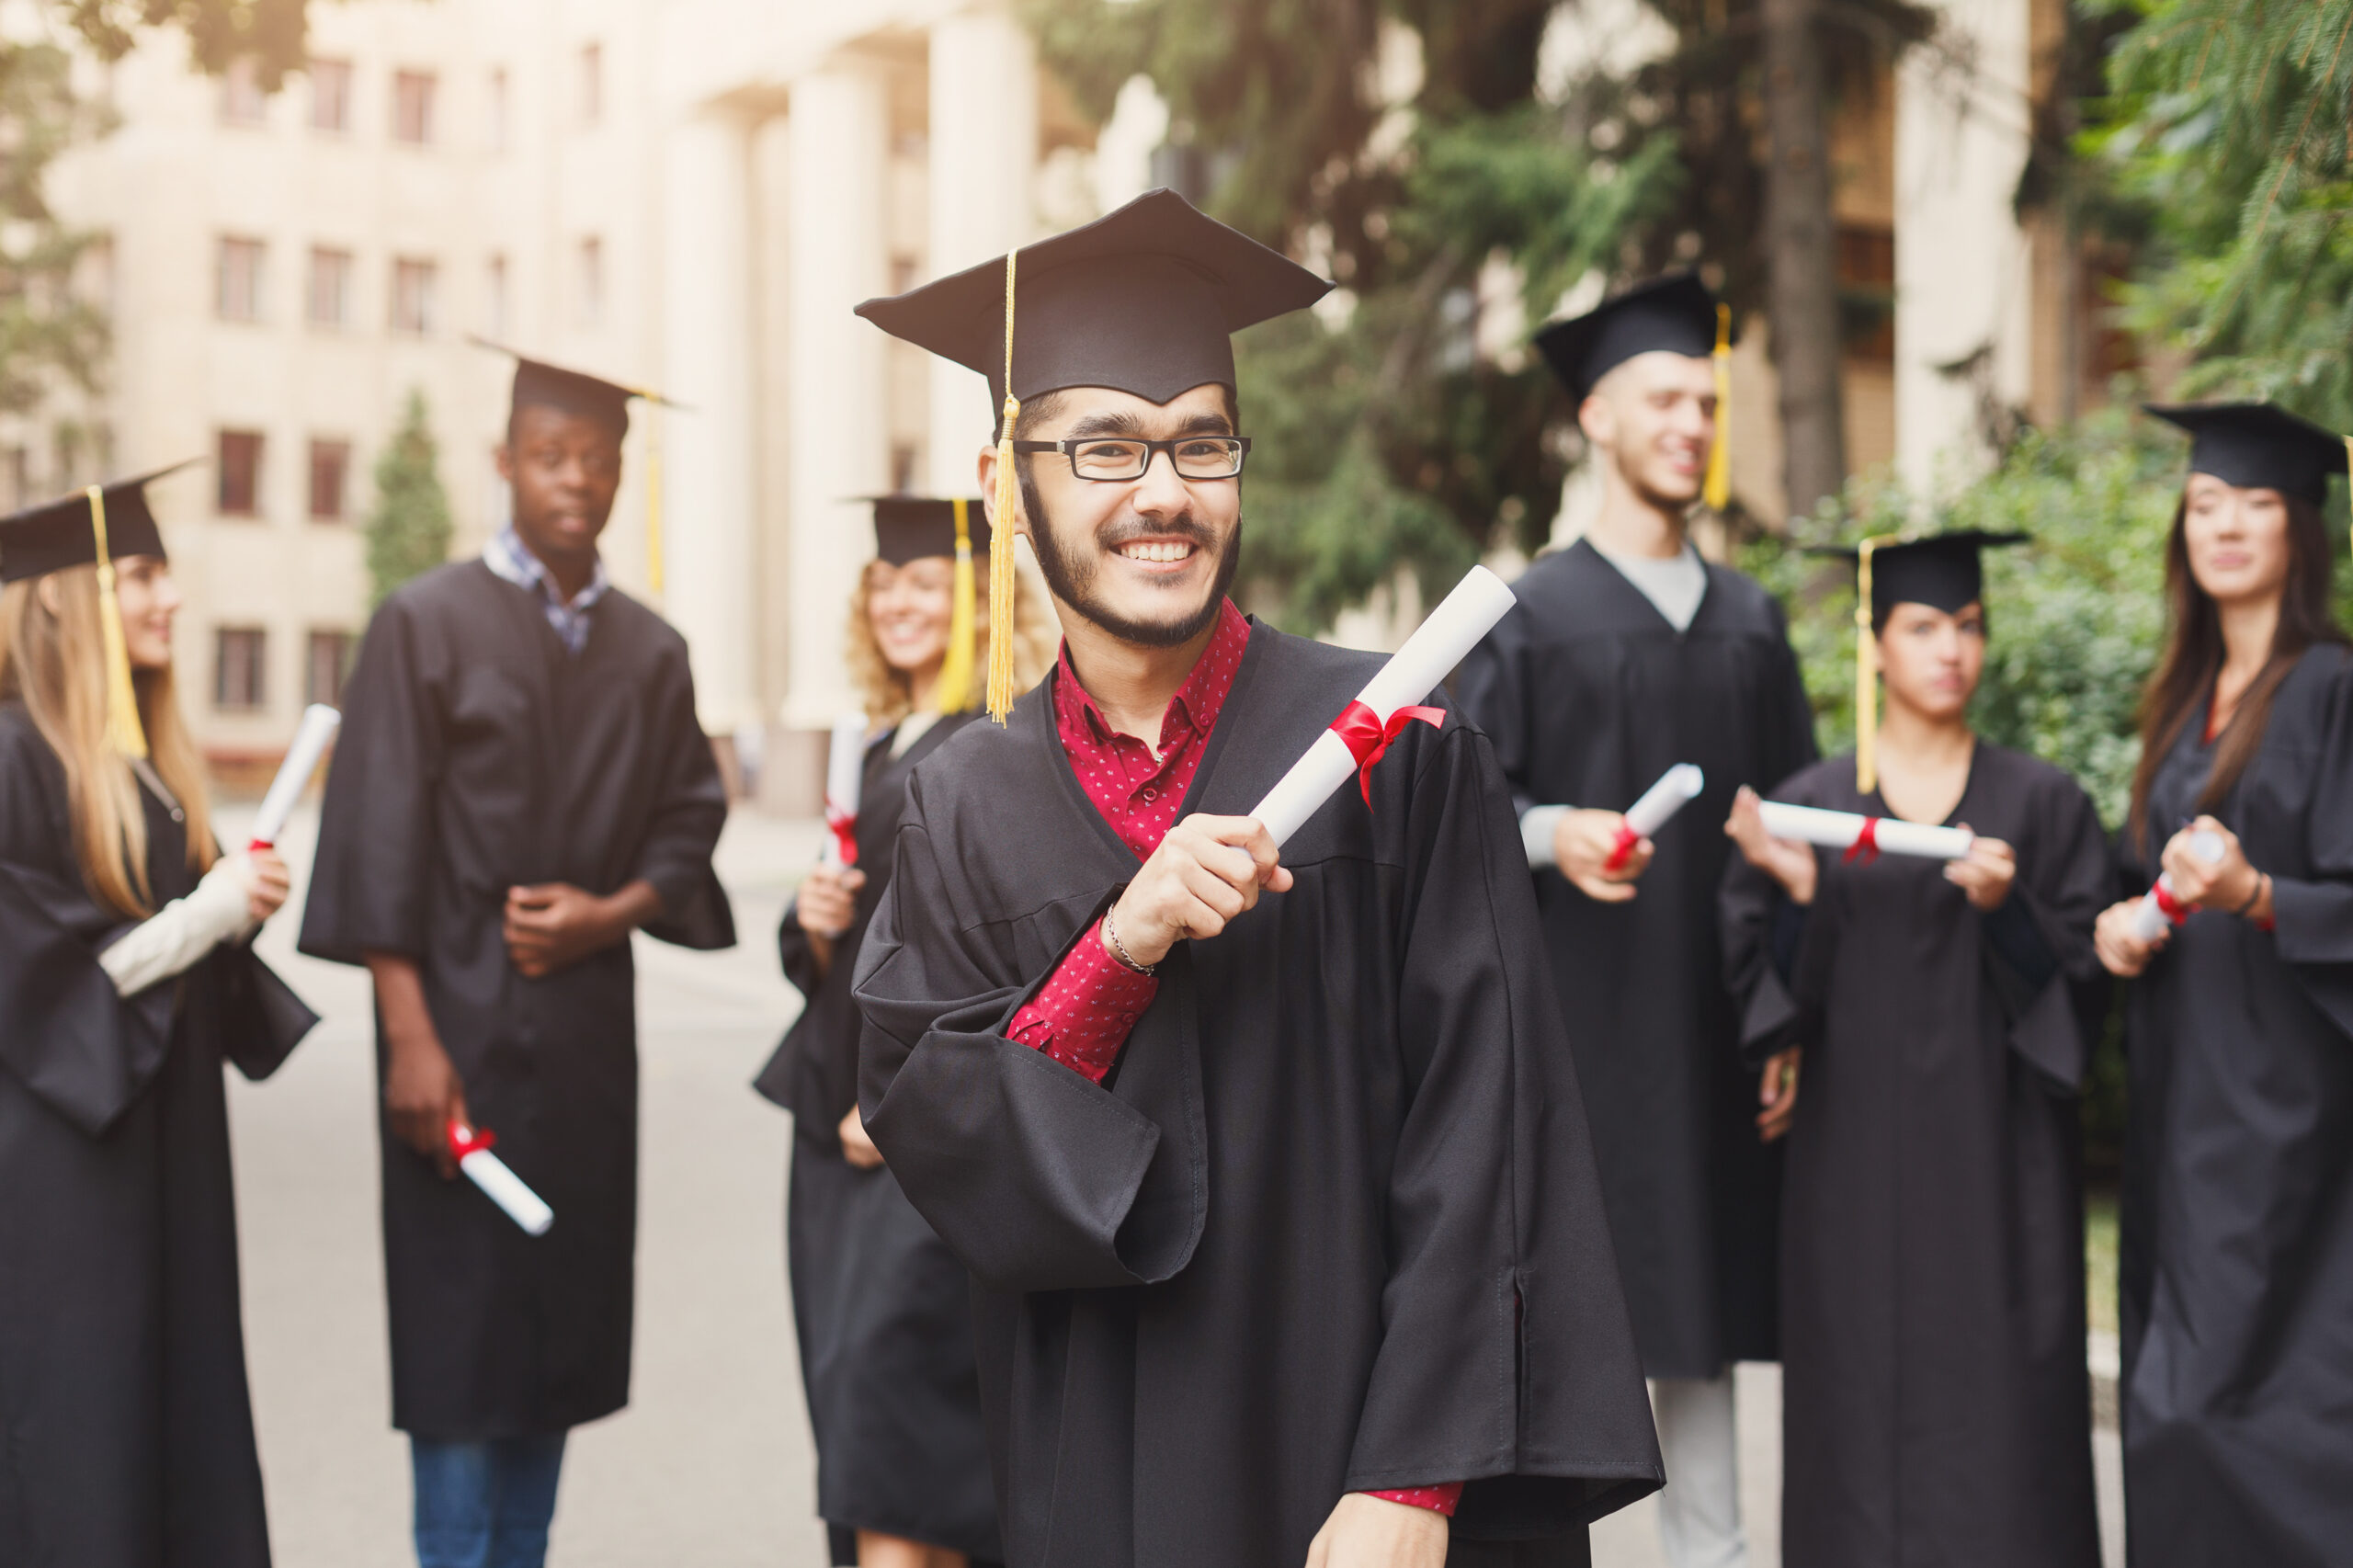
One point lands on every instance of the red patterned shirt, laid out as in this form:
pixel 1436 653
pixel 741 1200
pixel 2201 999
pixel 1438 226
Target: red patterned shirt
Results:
pixel 1083 1014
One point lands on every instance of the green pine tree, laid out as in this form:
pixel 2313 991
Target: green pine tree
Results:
pixel 408 530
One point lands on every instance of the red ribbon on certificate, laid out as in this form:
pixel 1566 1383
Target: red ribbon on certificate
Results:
pixel 1866 842
pixel 1368 740
pixel 464 1140
pixel 2171 908
pixel 1620 847
pixel 845 828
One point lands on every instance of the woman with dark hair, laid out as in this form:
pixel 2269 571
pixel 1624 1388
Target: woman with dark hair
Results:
pixel 127 980
pixel 881 1306
pixel 2237 1264
pixel 1934 1404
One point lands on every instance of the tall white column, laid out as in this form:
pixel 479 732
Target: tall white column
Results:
pixel 709 544
pixel 983 151
pixel 838 245
pixel 1962 280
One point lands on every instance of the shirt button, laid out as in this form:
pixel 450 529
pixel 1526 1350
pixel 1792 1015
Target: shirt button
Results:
pixel 1126 1018
pixel 1150 795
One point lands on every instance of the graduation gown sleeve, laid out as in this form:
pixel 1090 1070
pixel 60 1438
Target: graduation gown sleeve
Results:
pixel 2313 902
pixel 690 808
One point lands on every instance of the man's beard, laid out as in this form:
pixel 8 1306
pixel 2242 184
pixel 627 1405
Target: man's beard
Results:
pixel 1072 576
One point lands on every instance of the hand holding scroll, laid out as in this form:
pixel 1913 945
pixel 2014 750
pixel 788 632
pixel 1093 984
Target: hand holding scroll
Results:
pixel 1985 874
pixel 1207 871
pixel 1785 860
pixel 1585 847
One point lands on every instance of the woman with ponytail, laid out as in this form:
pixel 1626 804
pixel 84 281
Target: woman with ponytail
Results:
pixel 880 1304
pixel 126 981
pixel 2236 1274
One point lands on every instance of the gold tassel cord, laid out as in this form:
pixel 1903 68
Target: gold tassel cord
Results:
pixel 123 728
pixel 654 576
pixel 1001 554
pixel 1717 492
pixel 953 692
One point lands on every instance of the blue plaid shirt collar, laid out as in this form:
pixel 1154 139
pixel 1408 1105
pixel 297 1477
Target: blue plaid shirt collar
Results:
pixel 507 556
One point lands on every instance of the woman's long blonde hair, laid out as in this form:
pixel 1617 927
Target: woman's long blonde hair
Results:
pixel 890 696
pixel 53 660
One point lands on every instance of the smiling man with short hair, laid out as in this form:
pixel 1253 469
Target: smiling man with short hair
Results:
pixel 1271 1166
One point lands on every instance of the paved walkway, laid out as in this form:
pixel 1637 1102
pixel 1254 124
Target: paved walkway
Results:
pixel 711 1465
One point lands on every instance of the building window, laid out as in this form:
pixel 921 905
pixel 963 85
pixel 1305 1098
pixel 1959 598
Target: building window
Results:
pixel 494 296
pixel 331 97
pixel 1866 267
pixel 69 453
pixel 413 107
pixel 239 467
pixel 413 297
pixel 330 470
pixel 902 468
pixel 904 273
pixel 592 84
pixel 323 673
pixel 242 100
pixel 330 296
pixel 237 295
pixel 240 665
pixel 495 112
pixel 17 473
pixel 592 281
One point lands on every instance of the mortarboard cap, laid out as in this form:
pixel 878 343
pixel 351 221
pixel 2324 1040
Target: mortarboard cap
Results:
pixel 1677 314
pixel 2258 445
pixel 102 524
pixel 538 384
pixel 1144 300
pixel 909 528
pixel 62 534
pixel 1943 570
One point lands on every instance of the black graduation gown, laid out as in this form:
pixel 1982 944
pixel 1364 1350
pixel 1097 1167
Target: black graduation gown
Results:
pixel 477 753
pixel 882 1309
pixel 2236 1271
pixel 1589 694
pixel 126 1435
pixel 1936 1411
pixel 1330 1225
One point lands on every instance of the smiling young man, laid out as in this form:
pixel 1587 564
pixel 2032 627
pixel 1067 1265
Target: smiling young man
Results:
pixel 1626 656
pixel 1271 1168
pixel 520 782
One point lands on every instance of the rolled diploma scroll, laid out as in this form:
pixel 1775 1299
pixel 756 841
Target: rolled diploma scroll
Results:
pixel 1842 830
pixel 1412 672
pixel 2149 917
pixel 489 1173
pixel 844 777
pixel 1675 789
pixel 310 737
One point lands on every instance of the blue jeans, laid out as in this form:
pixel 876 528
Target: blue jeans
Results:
pixel 485 1504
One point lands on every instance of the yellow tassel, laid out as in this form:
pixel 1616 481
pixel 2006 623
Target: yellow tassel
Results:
pixel 953 692
pixel 1867 669
pixel 654 562
pixel 123 728
pixel 1001 552
pixel 1717 493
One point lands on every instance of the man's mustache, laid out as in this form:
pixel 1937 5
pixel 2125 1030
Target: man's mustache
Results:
pixel 1122 532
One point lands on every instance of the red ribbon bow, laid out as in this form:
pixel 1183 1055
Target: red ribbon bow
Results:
pixel 844 826
pixel 1369 739
pixel 1866 842
pixel 464 1140
pixel 2171 908
pixel 1621 847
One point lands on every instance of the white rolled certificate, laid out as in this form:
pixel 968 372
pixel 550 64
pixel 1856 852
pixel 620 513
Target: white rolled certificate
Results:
pixel 502 1187
pixel 2150 916
pixel 1412 672
pixel 845 779
pixel 1675 789
pixel 318 727
pixel 1855 833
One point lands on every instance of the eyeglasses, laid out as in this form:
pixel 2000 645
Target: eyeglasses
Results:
pixel 1110 460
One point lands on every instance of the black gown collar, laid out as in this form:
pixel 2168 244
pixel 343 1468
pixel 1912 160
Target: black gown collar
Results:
pixel 1607 571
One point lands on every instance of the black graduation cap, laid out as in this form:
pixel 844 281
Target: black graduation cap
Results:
pixel 1943 570
pixel 2259 443
pixel 1676 313
pixel 62 534
pixel 909 528
pixel 1142 300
